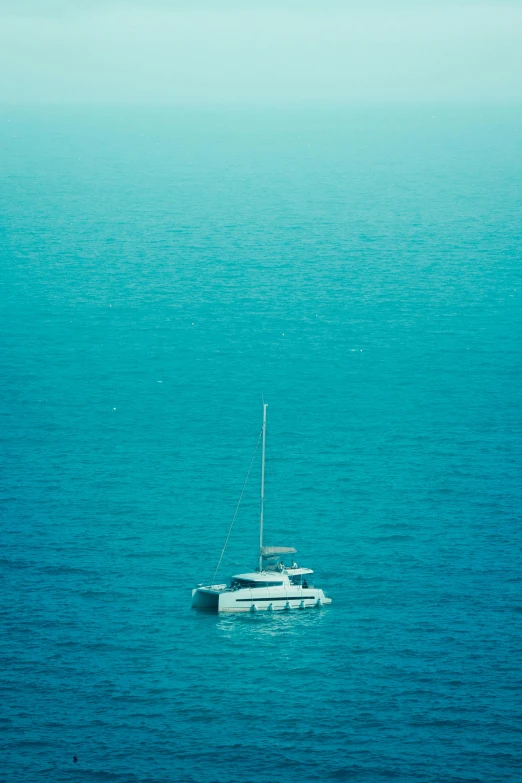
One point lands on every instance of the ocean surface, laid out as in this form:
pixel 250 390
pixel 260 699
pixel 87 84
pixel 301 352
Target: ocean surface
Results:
pixel 161 272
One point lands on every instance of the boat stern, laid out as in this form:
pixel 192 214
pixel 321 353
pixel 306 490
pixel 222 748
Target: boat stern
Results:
pixel 207 597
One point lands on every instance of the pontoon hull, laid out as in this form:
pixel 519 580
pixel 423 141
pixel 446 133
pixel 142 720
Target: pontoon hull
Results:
pixel 260 600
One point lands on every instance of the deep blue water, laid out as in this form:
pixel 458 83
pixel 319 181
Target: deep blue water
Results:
pixel 160 271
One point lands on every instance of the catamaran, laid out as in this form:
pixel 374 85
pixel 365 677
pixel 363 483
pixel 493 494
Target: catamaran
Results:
pixel 273 586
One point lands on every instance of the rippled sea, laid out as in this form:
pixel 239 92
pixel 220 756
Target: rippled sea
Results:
pixel 161 271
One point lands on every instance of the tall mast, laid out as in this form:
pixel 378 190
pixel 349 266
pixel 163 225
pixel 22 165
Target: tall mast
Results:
pixel 262 489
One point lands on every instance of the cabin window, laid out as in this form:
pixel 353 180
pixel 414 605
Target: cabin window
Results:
pixel 239 584
pixel 267 584
pixel 304 580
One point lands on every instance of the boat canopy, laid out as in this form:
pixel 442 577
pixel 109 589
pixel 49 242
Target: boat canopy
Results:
pixel 274 551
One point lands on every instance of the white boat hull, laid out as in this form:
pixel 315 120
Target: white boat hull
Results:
pixel 214 598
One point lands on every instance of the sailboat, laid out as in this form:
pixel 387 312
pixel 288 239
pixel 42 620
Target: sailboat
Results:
pixel 273 586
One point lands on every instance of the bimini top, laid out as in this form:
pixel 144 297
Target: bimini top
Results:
pixel 273 551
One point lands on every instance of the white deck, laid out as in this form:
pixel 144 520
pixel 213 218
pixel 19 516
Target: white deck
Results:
pixel 275 576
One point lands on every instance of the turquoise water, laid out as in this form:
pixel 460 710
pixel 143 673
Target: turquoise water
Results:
pixel 160 272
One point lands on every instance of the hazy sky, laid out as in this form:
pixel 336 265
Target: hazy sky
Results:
pixel 118 51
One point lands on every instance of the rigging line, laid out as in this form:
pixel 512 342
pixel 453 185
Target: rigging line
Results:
pixel 237 507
